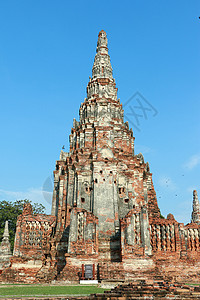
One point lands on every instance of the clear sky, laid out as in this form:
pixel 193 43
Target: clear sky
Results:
pixel 47 50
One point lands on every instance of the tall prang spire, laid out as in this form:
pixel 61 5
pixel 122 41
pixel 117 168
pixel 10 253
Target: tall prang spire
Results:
pixel 102 67
pixel 101 110
pixel 196 209
pixel 102 83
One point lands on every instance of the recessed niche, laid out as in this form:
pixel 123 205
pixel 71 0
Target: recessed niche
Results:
pixel 83 200
pixel 126 200
pixel 121 190
pixel 101 172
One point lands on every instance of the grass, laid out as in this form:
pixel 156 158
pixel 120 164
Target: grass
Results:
pixel 48 290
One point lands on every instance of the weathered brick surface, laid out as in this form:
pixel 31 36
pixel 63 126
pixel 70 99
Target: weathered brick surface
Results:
pixel 31 243
pixel 104 207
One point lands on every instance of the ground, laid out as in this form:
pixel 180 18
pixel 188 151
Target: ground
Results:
pixel 44 290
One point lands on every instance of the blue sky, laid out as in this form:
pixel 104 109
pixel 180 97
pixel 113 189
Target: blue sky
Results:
pixel 47 50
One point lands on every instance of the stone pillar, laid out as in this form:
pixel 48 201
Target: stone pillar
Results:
pixel 145 234
pixel 54 209
pixel 5 252
pixel 196 209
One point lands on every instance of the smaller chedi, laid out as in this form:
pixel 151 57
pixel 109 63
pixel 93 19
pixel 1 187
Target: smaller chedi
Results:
pixel 5 252
pixel 196 209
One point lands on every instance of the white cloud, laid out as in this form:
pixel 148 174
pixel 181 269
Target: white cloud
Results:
pixel 32 194
pixel 192 162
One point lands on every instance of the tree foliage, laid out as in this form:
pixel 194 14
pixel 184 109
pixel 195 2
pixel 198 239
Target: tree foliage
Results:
pixel 9 211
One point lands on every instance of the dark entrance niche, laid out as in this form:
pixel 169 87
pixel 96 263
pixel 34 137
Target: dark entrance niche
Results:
pixel 83 200
pixel 88 271
pixel 121 190
pixel 126 200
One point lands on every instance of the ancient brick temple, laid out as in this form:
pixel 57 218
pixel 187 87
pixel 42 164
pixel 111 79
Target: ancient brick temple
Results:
pixel 104 207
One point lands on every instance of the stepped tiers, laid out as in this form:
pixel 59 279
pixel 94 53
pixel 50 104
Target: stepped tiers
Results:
pixel 104 207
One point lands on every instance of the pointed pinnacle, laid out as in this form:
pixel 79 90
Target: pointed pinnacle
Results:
pixel 102 42
pixel 102 67
pixel 195 193
pixel 6 231
pixel 196 209
pixel 195 198
pixel 102 32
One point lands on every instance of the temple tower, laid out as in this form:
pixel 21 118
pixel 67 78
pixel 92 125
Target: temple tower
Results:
pixel 104 206
pixel 5 252
pixel 196 209
pixel 103 192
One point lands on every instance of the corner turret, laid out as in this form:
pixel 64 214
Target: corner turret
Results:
pixel 5 252
pixel 196 209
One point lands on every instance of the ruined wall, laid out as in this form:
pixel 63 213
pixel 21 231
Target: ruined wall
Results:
pixel 32 232
pixel 31 239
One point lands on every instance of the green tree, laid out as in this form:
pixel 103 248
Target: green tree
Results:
pixel 10 211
